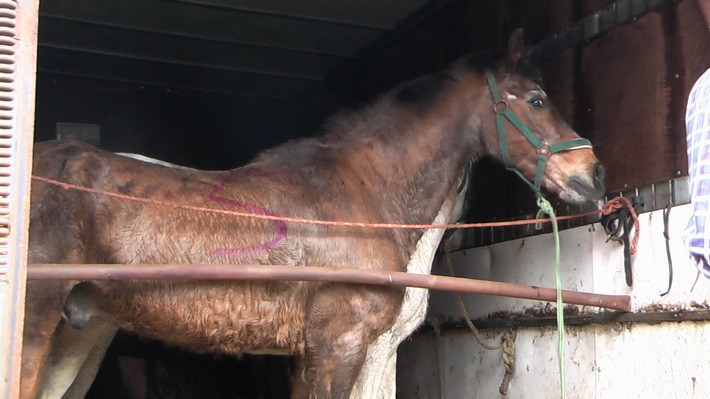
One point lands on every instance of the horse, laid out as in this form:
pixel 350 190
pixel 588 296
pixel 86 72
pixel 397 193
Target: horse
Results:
pixel 401 159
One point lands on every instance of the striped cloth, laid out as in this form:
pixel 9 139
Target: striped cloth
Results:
pixel 697 124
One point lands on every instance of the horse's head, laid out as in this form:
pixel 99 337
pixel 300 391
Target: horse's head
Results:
pixel 524 130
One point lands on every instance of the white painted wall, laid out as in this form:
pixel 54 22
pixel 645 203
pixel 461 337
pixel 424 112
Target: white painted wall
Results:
pixel 667 360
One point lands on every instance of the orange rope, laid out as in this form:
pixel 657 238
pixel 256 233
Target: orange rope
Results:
pixel 617 203
pixel 69 186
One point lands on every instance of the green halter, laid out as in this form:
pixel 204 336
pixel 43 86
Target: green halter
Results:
pixel 544 151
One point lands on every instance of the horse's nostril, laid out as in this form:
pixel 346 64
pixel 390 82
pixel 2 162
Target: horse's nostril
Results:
pixel 599 174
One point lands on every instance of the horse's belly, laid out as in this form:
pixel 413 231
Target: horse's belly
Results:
pixel 224 317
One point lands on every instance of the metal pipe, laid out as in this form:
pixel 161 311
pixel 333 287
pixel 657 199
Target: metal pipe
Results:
pixel 321 274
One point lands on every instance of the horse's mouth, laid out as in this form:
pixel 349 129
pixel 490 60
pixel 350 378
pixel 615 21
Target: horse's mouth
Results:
pixel 580 192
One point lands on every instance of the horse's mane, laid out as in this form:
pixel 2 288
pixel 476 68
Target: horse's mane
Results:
pixel 479 62
pixel 379 119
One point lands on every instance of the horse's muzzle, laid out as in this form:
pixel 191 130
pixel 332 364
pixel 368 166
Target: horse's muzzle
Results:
pixel 590 187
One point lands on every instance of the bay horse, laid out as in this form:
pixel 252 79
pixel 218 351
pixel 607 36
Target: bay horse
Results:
pixel 401 159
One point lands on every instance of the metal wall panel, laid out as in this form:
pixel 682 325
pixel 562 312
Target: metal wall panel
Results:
pixel 18 46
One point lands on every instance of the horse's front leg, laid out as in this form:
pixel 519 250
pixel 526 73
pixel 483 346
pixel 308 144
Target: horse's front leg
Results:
pixel 343 321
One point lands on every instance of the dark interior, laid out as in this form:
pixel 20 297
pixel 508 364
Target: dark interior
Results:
pixel 210 83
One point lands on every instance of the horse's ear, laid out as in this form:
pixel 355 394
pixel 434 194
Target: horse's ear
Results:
pixel 516 49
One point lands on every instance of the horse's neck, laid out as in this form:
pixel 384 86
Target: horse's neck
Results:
pixel 418 171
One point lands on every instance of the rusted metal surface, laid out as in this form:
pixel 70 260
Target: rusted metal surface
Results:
pixel 613 81
pixel 304 273
pixel 594 25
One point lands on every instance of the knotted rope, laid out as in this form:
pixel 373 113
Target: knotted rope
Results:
pixel 252 215
pixel 508 360
pixel 619 203
pixel 619 220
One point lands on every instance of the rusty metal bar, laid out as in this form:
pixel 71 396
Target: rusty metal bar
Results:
pixel 305 273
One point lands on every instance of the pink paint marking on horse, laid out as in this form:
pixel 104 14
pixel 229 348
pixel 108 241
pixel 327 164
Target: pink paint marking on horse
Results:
pixel 280 235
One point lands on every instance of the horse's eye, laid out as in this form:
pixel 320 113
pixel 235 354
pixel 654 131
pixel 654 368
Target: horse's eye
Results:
pixel 537 103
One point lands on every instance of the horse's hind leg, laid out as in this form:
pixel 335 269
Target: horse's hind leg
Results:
pixel 78 349
pixel 75 359
pixel 299 385
pixel 43 313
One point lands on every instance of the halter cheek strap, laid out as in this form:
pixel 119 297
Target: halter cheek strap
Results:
pixel 544 151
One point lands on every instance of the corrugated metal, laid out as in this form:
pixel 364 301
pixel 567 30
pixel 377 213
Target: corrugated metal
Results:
pixel 98 39
pixel 265 48
pixel 176 76
pixel 18 42
pixel 8 109
pixel 365 13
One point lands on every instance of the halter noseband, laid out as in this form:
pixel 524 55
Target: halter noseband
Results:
pixel 544 151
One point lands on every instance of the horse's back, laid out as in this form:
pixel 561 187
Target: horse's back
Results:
pixel 69 224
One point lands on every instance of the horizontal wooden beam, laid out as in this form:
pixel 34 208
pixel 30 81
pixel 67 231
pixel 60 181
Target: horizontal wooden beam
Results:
pixel 518 320
pixel 319 274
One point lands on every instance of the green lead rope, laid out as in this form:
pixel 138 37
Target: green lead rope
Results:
pixel 546 207
pixel 503 112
